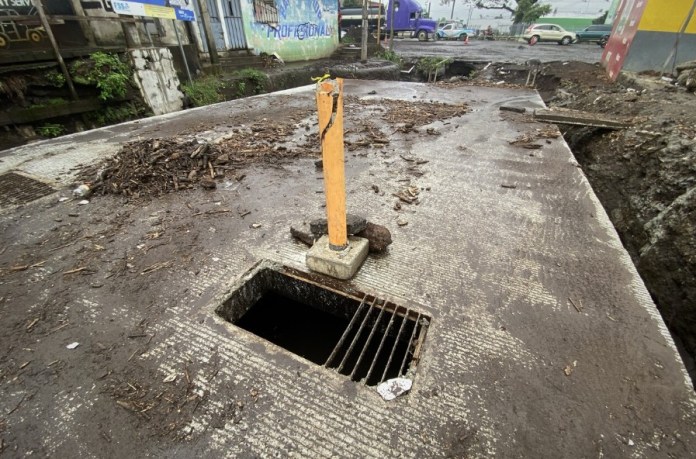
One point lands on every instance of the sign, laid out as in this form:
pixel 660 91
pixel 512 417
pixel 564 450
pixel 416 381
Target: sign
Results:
pixel 628 18
pixel 181 10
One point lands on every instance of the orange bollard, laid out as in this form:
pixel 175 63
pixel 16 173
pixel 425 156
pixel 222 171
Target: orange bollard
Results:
pixel 330 106
pixel 335 254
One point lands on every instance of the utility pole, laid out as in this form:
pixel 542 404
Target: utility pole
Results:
pixel 205 18
pixel 454 2
pixel 391 25
pixel 363 48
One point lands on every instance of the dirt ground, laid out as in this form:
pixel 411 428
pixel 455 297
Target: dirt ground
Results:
pixel 151 219
pixel 645 175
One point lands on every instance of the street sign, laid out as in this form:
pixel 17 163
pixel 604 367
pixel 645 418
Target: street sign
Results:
pixel 181 10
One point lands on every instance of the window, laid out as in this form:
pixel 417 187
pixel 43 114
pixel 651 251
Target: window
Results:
pixel 266 12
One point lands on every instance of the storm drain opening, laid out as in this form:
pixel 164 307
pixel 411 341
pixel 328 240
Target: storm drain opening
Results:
pixel 18 189
pixel 360 336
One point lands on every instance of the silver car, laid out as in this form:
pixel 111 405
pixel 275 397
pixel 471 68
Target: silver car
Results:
pixel 548 32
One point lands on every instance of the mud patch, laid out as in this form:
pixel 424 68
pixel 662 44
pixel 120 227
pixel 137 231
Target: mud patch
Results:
pixel 395 111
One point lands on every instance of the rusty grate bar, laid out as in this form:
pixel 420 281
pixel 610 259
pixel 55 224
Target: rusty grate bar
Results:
pixel 411 342
pixel 381 342
pixel 346 333
pixel 357 336
pixel 369 340
pixel 396 344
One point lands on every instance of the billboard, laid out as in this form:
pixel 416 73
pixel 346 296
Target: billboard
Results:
pixel 181 10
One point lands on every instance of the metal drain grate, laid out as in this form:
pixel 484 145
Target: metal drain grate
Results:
pixel 381 342
pixel 328 323
pixel 17 189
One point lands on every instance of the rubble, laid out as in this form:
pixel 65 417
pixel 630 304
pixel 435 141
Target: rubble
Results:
pixel 379 237
pixel 354 225
pixel 686 75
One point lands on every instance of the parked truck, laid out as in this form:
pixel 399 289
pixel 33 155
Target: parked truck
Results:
pixel 408 19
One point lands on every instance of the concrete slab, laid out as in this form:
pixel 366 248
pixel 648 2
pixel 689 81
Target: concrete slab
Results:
pixel 341 264
pixel 543 343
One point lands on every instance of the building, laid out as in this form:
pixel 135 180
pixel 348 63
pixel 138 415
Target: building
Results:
pixel 294 30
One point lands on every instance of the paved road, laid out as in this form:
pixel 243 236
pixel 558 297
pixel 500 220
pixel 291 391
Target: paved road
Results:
pixel 499 51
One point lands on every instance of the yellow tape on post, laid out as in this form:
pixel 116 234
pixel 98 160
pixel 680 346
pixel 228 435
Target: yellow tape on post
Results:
pixel 330 107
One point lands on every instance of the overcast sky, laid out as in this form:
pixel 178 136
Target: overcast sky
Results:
pixel 564 8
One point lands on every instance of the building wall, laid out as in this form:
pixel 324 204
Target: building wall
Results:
pixel 305 29
pixel 156 77
pixel 570 24
pixel 645 34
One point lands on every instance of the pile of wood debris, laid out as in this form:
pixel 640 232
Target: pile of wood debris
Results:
pixel 153 167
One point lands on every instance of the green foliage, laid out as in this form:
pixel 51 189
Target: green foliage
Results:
pixel 50 130
pixel 204 91
pixel 389 55
pixel 54 78
pixel 528 11
pixel 348 40
pixel 431 64
pixel 117 113
pixel 49 102
pixel 602 19
pixel 105 71
pixel 250 78
pixel 523 11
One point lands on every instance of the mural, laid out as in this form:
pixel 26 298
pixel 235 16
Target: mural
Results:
pixel 296 30
pixel 28 34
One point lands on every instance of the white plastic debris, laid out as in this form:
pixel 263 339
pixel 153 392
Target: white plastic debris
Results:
pixel 83 202
pixel 630 442
pixel 62 199
pixel 170 378
pixel 392 388
pixel 82 191
pixel 73 345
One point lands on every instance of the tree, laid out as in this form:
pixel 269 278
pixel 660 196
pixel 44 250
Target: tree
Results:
pixel 602 19
pixel 523 11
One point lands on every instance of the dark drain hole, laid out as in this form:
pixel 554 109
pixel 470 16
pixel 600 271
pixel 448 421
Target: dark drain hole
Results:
pixel 297 327
pixel 367 340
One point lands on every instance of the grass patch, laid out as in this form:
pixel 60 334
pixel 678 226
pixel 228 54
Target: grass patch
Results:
pixel 204 91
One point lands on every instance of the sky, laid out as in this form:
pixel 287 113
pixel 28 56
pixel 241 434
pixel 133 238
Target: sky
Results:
pixel 481 18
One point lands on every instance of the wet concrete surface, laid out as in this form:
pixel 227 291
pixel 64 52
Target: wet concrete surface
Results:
pixel 498 51
pixel 544 341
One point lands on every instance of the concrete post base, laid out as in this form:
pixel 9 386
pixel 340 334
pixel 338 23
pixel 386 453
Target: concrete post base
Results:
pixel 339 264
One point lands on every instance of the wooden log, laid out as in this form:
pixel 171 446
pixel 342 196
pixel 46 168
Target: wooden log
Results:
pixel 579 118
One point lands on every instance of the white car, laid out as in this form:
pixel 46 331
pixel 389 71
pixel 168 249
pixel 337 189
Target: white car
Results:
pixel 549 32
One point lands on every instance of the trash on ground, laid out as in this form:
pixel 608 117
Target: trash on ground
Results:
pixel 392 388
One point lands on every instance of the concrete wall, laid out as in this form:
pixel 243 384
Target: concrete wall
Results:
pixel 649 51
pixel 155 75
pixel 306 29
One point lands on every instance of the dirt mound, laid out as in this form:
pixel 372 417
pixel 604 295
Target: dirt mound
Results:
pixel 148 168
